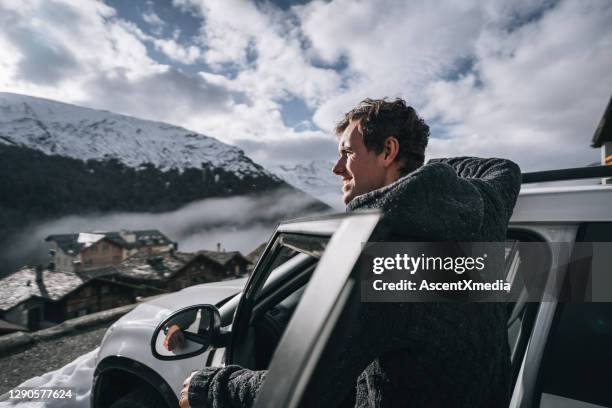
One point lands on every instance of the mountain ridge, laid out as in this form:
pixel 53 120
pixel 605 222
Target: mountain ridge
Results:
pixel 69 130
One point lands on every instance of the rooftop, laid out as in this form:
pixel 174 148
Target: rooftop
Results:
pixel 222 258
pixel 603 133
pixel 159 267
pixel 22 284
pixel 74 243
pixel 254 255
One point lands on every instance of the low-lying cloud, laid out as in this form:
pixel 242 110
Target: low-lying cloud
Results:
pixel 238 223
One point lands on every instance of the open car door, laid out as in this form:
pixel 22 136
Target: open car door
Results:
pixel 322 314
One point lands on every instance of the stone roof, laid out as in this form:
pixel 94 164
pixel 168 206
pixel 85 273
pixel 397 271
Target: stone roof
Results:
pixel 222 258
pixel 159 267
pixel 22 285
pixel 75 243
pixel 254 255
pixel 98 272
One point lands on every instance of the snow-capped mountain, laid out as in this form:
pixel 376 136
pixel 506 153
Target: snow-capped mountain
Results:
pixel 82 133
pixel 315 178
pixel 142 169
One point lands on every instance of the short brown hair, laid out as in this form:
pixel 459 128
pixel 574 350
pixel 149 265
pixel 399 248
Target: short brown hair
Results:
pixel 381 118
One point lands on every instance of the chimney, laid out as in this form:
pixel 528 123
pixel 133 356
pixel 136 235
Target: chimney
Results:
pixel 218 247
pixel 39 270
pixel 128 236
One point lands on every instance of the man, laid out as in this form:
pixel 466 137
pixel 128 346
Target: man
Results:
pixel 367 161
pixel 406 354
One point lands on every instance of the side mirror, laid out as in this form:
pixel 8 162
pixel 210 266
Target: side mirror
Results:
pixel 187 332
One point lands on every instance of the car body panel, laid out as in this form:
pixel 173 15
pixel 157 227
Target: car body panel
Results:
pixel 130 336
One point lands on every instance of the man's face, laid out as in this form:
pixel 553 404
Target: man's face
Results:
pixel 361 169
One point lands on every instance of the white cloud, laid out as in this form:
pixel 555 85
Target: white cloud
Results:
pixel 392 48
pixel 184 54
pixel 278 67
pixel 264 47
pixel 86 31
pixel 539 94
pixel 152 19
pixel 534 91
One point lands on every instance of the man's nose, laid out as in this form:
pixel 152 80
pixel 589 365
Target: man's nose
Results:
pixel 339 167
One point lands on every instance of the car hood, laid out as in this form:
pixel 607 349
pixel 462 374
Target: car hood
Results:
pixel 210 293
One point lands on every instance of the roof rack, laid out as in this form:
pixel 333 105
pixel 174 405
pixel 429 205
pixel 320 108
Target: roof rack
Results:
pixel 567 174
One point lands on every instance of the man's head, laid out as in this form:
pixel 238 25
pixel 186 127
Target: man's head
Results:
pixel 379 142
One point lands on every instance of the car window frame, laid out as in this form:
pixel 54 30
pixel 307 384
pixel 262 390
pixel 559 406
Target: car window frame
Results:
pixel 525 389
pixel 523 235
pixel 584 234
pixel 323 227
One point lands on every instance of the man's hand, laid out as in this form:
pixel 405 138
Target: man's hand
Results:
pixel 174 338
pixel 184 400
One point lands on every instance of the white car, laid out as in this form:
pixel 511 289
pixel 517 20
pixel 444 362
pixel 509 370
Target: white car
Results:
pixel 302 285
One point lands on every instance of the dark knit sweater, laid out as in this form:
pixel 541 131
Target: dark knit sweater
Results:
pixel 414 354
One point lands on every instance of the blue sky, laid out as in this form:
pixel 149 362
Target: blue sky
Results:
pixel 527 80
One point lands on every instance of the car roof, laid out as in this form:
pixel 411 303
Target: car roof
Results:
pixel 578 203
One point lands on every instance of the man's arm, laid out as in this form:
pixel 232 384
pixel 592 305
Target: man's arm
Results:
pixel 224 387
pixel 185 319
pixel 498 180
pixel 174 330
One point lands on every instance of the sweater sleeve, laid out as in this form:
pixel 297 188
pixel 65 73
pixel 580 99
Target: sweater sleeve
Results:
pixel 456 199
pixel 225 387
pixel 498 180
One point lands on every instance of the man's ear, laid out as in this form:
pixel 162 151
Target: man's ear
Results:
pixel 390 150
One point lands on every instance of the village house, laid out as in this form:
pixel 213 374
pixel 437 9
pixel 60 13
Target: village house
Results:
pixel 8 327
pixel 85 251
pixel 35 297
pixel 172 271
pixel 254 256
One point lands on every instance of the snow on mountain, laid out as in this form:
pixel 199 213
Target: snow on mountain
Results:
pixel 315 178
pixel 68 130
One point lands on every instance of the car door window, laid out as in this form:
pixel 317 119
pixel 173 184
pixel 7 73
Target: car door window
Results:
pixel 527 267
pixel 276 291
pixel 577 363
